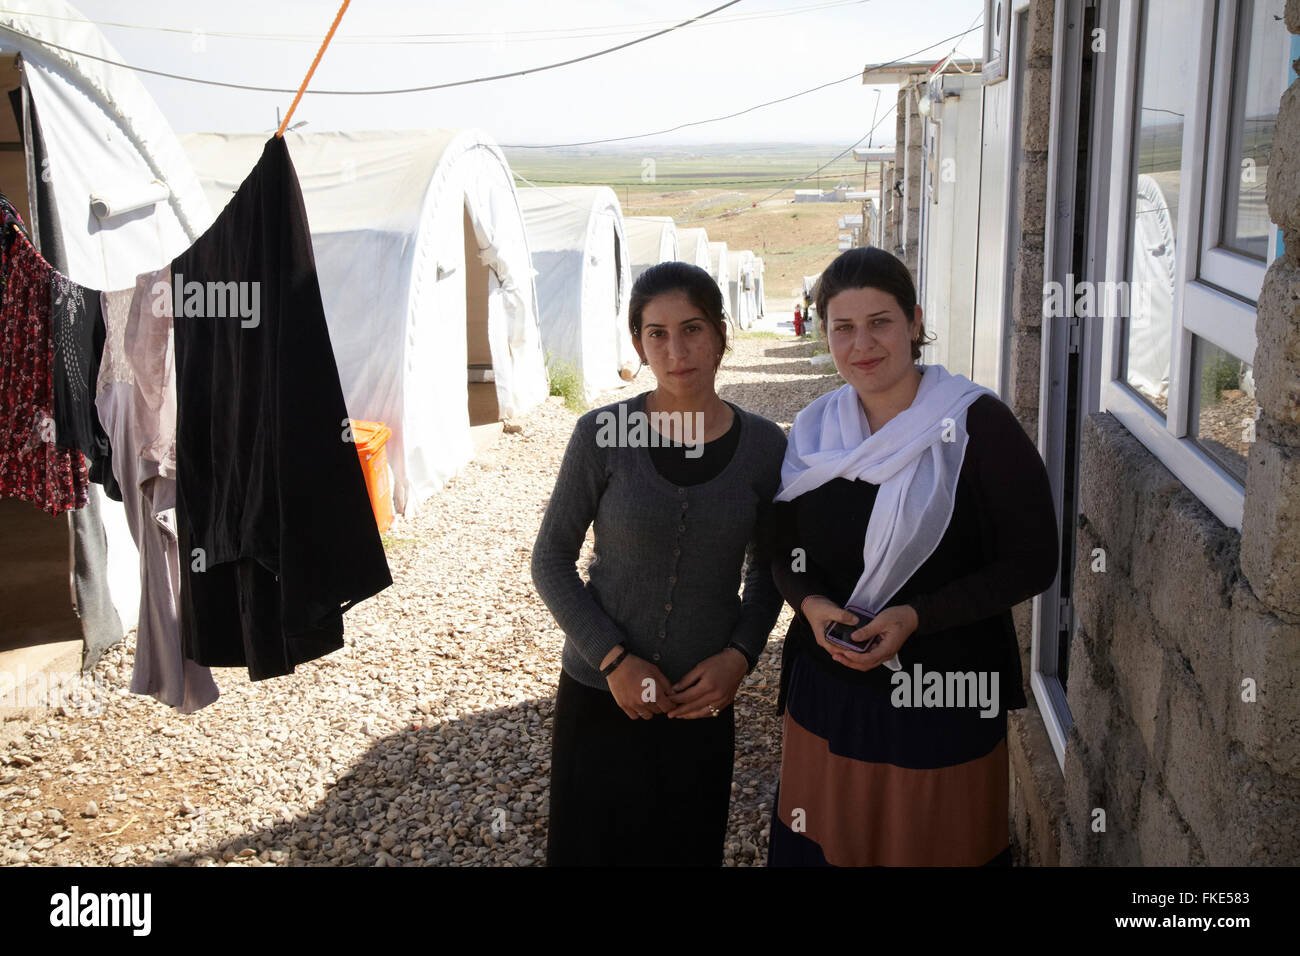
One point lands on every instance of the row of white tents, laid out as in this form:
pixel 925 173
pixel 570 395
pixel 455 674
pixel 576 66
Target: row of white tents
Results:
pixel 582 268
pixel 430 258
pixel 451 294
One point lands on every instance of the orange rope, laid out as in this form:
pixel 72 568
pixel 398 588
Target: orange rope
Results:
pixel 314 63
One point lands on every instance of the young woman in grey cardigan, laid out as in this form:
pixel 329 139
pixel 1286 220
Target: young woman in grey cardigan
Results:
pixel 657 640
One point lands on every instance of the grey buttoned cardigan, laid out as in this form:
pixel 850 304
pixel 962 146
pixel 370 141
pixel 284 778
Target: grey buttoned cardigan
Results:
pixel 668 560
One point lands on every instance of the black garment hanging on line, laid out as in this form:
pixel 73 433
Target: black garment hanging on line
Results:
pixel 77 328
pixel 277 536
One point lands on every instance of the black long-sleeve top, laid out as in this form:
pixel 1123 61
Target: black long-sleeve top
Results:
pixel 1000 548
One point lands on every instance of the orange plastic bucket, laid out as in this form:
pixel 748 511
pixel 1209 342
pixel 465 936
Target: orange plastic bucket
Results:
pixel 371 438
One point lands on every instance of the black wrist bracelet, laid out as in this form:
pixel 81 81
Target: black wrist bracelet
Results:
pixel 751 661
pixel 606 671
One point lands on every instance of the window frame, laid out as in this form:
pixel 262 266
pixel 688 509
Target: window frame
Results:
pixel 1167 436
pixel 1064 180
pixel 1234 272
pixel 996 58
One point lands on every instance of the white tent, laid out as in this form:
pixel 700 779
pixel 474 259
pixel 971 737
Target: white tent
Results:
pixel 113 179
pixel 740 287
pixel 693 247
pixel 580 256
pixel 719 269
pixel 426 280
pixel 106 140
pixel 760 303
pixel 650 241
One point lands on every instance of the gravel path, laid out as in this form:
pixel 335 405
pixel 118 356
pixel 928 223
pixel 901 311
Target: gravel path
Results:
pixel 426 740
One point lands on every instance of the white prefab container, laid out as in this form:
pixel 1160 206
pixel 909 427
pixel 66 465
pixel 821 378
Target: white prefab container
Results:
pixel 950 227
pixel 580 257
pixel 426 279
pixel 650 241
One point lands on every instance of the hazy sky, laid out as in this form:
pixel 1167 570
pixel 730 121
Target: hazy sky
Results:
pixel 753 51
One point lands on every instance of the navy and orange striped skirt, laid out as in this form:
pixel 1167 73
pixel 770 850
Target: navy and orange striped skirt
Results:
pixel 865 783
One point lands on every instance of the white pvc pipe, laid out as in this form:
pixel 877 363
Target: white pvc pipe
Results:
pixel 108 203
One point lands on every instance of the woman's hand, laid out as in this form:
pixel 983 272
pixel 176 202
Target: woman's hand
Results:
pixel 894 625
pixel 709 686
pixel 821 611
pixel 635 680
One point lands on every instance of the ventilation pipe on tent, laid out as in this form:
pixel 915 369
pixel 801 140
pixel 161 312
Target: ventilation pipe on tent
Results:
pixel 106 203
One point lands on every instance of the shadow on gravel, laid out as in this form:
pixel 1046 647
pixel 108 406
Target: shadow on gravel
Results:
pixel 792 349
pixel 474 790
pixel 467 790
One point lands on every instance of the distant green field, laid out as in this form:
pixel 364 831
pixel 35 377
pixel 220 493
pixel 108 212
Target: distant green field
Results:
pixel 672 168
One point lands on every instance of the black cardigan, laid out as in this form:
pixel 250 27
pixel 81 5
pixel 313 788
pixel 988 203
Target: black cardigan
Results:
pixel 1000 548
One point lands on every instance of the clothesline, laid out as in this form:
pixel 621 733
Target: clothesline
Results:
pixel 312 69
pixel 236 570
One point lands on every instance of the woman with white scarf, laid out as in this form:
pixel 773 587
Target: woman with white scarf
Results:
pixel 913 496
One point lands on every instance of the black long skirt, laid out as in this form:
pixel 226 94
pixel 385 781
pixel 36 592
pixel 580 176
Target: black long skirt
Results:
pixel 628 792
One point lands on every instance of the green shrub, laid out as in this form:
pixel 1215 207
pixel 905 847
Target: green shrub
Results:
pixel 567 383
pixel 1217 375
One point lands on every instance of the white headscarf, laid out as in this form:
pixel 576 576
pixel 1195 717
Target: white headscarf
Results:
pixel 915 459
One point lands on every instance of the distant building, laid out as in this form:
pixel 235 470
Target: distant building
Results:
pixel 878 205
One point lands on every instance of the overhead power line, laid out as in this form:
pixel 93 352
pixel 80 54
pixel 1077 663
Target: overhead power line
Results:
pixel 795 182
pixel 790 184
pixel 588 32
pixel 730 212
pixel 412 89
pixel 856 74
pixel 849 148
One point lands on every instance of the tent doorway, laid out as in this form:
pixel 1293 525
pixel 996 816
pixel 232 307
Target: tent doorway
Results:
pixel 35 568
pixel 483 406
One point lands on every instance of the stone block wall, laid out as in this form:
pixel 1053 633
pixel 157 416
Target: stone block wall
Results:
pixel 1167 741
pixel 1184 671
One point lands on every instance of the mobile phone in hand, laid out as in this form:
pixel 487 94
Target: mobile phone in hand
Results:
pixel 841 634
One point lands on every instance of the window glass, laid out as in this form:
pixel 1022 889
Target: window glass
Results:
pixel 1258 81
pixel 1163 103
pixel 1222 406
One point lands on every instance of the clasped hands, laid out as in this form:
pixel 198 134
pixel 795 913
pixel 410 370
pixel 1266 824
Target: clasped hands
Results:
pixel 642 691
